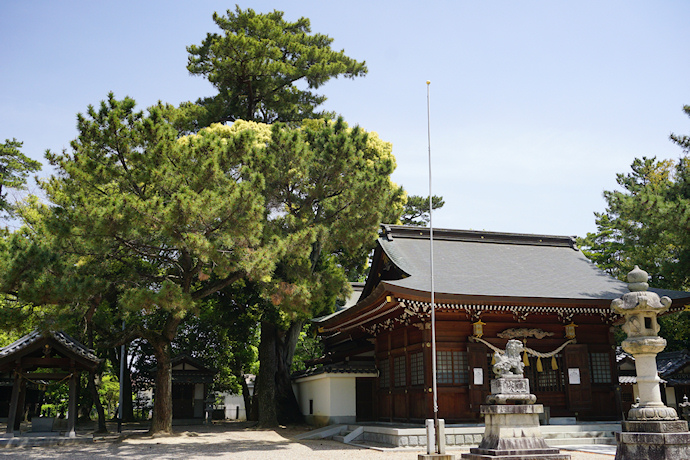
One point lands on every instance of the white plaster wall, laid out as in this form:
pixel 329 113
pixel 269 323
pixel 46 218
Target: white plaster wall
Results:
pixel 344 399
pixel 671 397
pixel 199 391
pixel 232 402
pixel 334 396
pixel 317 390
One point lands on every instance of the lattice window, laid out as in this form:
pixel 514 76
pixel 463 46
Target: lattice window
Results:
pixel 600 364
pixel 384 374
pixel 451 367
pixel 549 379
pixel 460 369
pixel 400 375
pixel 417 369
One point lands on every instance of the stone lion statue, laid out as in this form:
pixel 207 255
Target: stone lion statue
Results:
pixel 509 363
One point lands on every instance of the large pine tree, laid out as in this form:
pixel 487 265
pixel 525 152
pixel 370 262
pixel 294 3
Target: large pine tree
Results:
pixel 260 63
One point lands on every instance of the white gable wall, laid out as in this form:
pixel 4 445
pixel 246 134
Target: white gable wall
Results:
pixel 333 397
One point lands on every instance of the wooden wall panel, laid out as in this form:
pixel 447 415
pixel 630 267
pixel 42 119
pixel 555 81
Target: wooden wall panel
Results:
pixel 398 339
pixel 453 405
pixel 417 405
pixel 603 402
pixel 384 412
pixel 453 330
pixel 400 406
pixel 414 335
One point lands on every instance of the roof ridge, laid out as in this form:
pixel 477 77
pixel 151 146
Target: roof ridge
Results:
pixel 391 232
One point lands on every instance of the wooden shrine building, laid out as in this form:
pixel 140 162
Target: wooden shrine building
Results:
pixel 27 360
pixel 191 381
pixel 489 287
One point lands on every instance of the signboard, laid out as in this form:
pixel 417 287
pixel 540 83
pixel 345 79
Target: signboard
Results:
pixel 574 376
pixel 478 376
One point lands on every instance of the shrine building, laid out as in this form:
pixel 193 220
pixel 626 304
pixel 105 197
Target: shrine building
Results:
pixel 489 287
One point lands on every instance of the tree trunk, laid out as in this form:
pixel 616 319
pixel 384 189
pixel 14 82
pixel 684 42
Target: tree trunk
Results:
pixel 245 395
pixel 91 385
pixel 86 402
pixel 162 399
pixel 127 405
pixel 274 387
pixel 266 385
pixel 91 382
pixel 288 407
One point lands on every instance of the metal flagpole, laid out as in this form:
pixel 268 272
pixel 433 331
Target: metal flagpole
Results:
pixel 431 260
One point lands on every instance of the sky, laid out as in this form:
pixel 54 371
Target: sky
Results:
pixel 535 106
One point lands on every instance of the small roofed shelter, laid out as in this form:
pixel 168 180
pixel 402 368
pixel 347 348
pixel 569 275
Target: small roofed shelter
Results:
pixel 27 358
pixel 191 380
pixel 489 287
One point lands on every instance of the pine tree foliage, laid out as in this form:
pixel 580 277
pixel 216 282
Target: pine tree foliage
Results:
pixel 168 219
pixel 647 223
pixel 416 210
pixel 260 63
pixel 15 167
pixel 638 226
pixel 159 221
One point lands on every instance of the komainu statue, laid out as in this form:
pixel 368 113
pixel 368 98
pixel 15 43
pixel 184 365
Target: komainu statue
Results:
pixel 509 364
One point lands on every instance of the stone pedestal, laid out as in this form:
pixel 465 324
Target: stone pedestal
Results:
pixel 512 430
pixel 653 440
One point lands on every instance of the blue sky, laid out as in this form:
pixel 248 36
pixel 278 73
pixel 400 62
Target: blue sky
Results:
pixel 535 105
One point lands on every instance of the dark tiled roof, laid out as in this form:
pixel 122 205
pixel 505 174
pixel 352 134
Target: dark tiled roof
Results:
pixel 622 355
pixel 59 336
pixel 671 361
pixel 335 369
pixel 498 264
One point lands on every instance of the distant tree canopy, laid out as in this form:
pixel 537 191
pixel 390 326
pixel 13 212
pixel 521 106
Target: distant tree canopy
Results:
pixel 257 62
pixel 416 211
pixel 647 223
pixel 15 167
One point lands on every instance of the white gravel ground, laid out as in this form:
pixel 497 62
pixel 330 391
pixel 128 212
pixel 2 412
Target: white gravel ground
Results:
pixel 225 441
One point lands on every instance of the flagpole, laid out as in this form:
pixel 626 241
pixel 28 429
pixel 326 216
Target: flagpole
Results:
pixel 431 260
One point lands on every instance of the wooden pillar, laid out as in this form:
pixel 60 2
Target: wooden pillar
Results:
pixel 72 405
pixel 19 418
pixel 14 403
pixel 389 359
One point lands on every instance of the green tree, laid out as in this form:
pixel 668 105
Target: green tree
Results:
pixel 328 188
pixel 637 228
pixel 260 62
pixel 15 167
pixel 170 219
pixel 647 223
pixel 416 210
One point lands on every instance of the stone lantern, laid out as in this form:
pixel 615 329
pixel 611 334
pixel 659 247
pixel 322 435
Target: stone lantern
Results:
pixel 653 430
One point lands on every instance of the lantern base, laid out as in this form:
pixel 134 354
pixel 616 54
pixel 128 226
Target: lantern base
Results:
pixel 654 440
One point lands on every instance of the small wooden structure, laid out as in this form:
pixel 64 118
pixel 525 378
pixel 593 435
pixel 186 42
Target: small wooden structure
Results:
pixel 27 358
pixel 190 385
